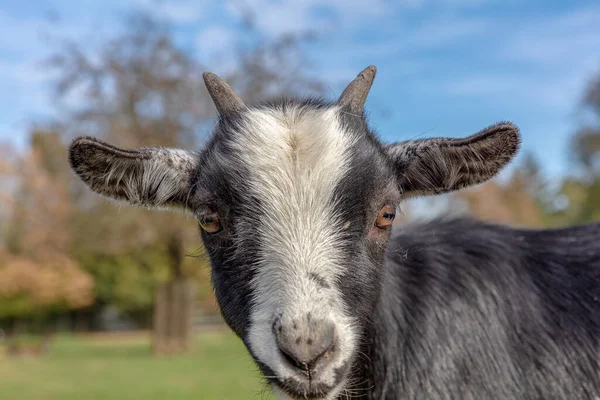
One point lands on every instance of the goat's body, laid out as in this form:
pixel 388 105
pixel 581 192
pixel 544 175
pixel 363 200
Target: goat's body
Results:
pixel 295 204
pixel 470 310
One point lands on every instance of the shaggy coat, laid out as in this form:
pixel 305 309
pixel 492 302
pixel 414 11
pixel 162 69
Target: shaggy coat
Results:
pixel 470 310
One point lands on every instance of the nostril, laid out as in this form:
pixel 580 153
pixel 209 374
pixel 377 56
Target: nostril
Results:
pixel 293 361
pixel 305 345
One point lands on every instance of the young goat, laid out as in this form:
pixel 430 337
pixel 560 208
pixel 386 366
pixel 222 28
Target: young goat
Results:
pixel 296 200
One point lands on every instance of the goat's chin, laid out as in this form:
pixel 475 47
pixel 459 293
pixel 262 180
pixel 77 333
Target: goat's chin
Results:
pixel 281 394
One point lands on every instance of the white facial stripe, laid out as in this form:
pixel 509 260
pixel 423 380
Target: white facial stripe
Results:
pixel 296 160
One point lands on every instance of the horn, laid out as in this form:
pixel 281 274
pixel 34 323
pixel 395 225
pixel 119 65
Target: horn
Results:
pixel 355 94
pixel 222 94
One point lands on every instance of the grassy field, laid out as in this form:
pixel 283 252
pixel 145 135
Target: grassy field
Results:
pixel 115 368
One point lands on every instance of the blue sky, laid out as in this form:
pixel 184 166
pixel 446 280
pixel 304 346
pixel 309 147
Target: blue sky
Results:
pixel 445 67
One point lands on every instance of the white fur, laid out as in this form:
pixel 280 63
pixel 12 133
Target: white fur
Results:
pixel 281 395
pixel 295 160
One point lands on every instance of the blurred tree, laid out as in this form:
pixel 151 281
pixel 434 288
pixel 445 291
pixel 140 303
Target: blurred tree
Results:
pixel 522 199
pixel 582 188
pixel 37 276
pixel 586 149
pixel 141 89
pixel 586 140
pixel 40 217
pixel 8 166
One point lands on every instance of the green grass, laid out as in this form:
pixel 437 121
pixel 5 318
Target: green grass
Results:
pixel 98 368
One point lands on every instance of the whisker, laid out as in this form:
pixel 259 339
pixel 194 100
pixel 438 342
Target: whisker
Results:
pixel 349 113
pixel 423 133
pixel 366 356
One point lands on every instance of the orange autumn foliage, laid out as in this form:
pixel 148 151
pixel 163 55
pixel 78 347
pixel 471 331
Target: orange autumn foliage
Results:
pixel 508 203
pixel 54 282
pixel 36 274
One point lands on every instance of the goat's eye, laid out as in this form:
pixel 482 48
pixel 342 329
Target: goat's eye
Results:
pixel 209 220
pixel 385 217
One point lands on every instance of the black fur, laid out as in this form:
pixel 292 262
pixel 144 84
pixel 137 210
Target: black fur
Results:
pixel 471 310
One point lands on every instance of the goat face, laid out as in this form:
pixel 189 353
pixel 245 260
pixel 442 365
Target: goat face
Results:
pixel 295 201
pixel 306 200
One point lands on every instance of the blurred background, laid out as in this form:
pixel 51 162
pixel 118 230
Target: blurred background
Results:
pixel 99 301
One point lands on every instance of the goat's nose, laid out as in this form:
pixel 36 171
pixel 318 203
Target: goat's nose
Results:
pixel 304 345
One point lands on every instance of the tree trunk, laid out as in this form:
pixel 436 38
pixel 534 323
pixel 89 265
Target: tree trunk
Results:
pixel 160 332
pixel 11 333
pixel 173 310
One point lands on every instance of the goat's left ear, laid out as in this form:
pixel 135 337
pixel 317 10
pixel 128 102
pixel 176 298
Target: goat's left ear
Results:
pixel 144 177
pixel 440 165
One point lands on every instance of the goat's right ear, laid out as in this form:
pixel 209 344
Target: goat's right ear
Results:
pixel 144 177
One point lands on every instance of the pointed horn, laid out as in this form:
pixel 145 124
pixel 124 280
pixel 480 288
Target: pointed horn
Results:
pixel 222 94
pixel 355 94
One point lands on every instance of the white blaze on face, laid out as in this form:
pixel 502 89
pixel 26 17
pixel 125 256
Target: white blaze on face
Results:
pixel 296 160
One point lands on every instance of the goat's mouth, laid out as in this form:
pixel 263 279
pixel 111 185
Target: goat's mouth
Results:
pixel 305 387
pixel 302 390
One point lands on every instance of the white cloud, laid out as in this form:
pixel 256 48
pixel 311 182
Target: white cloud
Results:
pixel 25 34
pixel 24 86
pixel 215 39
pixel 564 39
pixel 515 90
pixel 176 11
pixel 274 17
pixel 541 63
pixel 416 4
pixel 26 73
pixel 444 29
pixel 468 3
pixel 24 94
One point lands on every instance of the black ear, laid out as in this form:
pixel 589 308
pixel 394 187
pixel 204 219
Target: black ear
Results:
pixel 440 165
pixel 143 177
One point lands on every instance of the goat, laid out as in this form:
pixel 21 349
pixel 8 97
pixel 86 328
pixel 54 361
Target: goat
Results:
pixel 295 201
